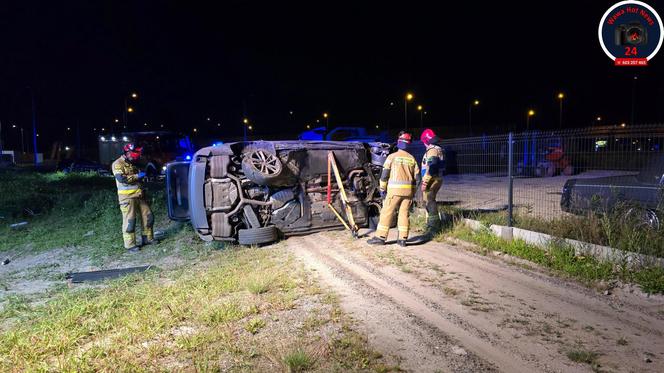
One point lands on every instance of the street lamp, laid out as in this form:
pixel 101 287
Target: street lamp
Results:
pixel 327 122
pixel 531 113
pixel 409 97
pixel 127 108
pixel 420 109
pixel 244 127
pixel 561 97
pixel 471 105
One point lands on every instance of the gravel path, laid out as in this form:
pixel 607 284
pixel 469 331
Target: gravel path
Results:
pixel 443 308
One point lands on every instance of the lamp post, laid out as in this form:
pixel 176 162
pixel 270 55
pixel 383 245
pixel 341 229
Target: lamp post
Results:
pixel 420 108
pixel 128 109
pixel 245 124
pixel 561 97
pixel 409 97
pixel 327 122
pixel 471 105
pixel 531 113
pixel 34 124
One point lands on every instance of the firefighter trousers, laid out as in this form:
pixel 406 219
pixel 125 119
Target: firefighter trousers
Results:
pixel 391 205
pixel 130 208
pixel 429 197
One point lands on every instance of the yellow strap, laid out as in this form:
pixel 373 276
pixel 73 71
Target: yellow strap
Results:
pixel 129 191
pixel 403 186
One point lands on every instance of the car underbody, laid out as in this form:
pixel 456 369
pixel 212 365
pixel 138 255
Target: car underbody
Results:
pixel 253 192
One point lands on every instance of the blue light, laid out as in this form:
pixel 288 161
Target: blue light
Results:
pixel 188 157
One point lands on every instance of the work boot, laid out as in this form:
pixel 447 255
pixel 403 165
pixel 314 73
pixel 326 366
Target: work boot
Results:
pixel 145 241
pixel 376 241
pixel 134 249
pixel 401 243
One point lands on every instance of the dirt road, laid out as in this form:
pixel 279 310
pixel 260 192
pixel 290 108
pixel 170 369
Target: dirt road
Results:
pixel 439 307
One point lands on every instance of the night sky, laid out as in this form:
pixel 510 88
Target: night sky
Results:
pixel 189 62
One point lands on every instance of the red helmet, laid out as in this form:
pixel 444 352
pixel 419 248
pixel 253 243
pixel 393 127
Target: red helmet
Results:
pixel 405 137
pixel 132 151
pixel 428 137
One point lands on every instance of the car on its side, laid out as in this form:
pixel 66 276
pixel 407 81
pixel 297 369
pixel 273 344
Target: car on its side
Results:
pixel 253 192
pixel 641 195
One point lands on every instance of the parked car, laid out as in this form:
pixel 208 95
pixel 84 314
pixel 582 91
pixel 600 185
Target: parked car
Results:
pixel 253 192
pixel 640 195
pixel 83 165
pixel 346 133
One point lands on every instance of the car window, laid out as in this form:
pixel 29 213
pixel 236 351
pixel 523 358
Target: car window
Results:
pixel 653 172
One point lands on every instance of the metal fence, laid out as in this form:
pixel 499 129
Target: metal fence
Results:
pixel 529 173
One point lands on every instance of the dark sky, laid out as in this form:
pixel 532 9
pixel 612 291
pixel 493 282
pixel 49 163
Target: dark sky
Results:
pixel 188 62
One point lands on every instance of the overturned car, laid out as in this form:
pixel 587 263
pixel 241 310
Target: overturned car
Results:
pixel 253 192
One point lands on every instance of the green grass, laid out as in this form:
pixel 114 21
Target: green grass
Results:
pixel 561 257
pixel 196 316
pixel 190 315
pixel 582 356
pixel 612 229
pixel 298 361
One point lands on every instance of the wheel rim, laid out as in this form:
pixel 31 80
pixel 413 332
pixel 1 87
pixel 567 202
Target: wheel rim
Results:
pixel 265 163
pixel 644 218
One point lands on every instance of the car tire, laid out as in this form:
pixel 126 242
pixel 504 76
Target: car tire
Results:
pixel 262 167
pixel 257 236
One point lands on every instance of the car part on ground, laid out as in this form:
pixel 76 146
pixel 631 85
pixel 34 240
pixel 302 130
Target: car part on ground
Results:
pixel 232 191
pixel 78 277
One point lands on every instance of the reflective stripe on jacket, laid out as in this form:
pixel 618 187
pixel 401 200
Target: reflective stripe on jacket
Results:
pixel 432 163
pixel 400 174
pixel 126 179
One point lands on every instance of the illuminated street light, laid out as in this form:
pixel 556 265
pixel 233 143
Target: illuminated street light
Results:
pixel 127 108
pixel 531 113
pixel 561 97
pixel 245 121
pixel 599 119
pixel 409 97
pixel 623 125
pixel 420 108
pixel 474 103
pixel 327 123
pixel 250 127
pixel 308 126
pixel 68 128
pixel 195 130
pixel 117 120
pixel 66 148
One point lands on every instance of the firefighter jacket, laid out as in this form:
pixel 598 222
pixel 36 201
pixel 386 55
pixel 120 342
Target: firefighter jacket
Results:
pixel 400 174
pixel 432 163
pixel 127 180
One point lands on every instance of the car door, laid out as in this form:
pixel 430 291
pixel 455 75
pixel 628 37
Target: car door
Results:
pixel 177 190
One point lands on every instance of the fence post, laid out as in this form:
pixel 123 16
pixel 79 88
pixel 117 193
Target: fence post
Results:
pixel 510 188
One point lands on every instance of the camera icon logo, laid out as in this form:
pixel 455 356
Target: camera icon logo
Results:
pixel 631 33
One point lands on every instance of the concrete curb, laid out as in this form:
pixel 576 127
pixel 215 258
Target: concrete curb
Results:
pixel 602 253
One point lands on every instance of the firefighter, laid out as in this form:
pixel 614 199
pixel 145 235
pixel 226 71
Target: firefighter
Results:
pixel 432 180
pixel 398 182
pixel 132 198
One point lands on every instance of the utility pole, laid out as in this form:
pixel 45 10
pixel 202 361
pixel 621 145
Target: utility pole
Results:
pixel 1 148
pixel 34 124
pixel 632 114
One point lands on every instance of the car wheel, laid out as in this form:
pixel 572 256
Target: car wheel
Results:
pixel 642 218
pixel 261 166
pixel 257 236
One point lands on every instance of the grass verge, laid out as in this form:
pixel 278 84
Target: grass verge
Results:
pixel 561 257
pixel 199 317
